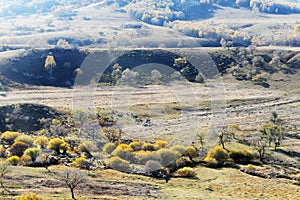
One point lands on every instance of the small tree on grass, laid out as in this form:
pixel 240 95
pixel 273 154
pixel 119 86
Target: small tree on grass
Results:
pixel 3 171
pixel 72 178
pixel 260 147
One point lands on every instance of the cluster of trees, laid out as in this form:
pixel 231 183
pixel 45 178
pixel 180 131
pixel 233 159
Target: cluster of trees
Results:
pixel 253 65
pixel 174 13
pixel 162 12
pixel 19 7
pixel 154 156
pixel 181 69
pixel 212 32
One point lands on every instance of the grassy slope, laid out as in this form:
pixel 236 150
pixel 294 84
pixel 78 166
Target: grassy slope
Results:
pixel 109 184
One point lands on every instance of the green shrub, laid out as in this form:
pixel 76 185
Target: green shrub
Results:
pixel 243 156
pixel 217 153
pixel 168 156
pixel 109 147
pixel 9 136
pixel 118 164
pixel 24 138
pixel 30 197
pixel 150 147
pixel 14 160
pixel 33 153
pixel 179 148
pixel 186 172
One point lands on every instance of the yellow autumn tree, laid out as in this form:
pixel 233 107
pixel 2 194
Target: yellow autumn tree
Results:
pixel 50 63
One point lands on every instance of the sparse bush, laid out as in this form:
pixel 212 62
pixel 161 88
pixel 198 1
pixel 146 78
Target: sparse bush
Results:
pixel 58 145
pixel 26 160
pixel 41 141
pixel 191 152
pixel 150 147
pixel 243 156
pixel 24 138
pixel 112 134
pixel 30 197
pixel 168 156
pixel 18 148
pixel 109 147
pixel 118 164
pixel 186 172
pixel 33 153
pixel 298 178
pixel 161 143
pixel 211 162
pixel 152 165
pixel 183 162
pixel 14 160
pixel 141 157
pixel 86 147
pixel 78 162
pixel 217 153
pixel 179 148
pixel 125 147
pixel 250 166
pixel 9 136
pixel 136 146
pixel 124 151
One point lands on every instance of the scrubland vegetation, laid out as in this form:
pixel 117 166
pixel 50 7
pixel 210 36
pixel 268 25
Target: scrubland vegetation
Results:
pixel 51 148
pixel 60 142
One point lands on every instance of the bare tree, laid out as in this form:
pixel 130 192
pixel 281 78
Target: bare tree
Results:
pixel 225 135
pixel 3 171
pixel 72 178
